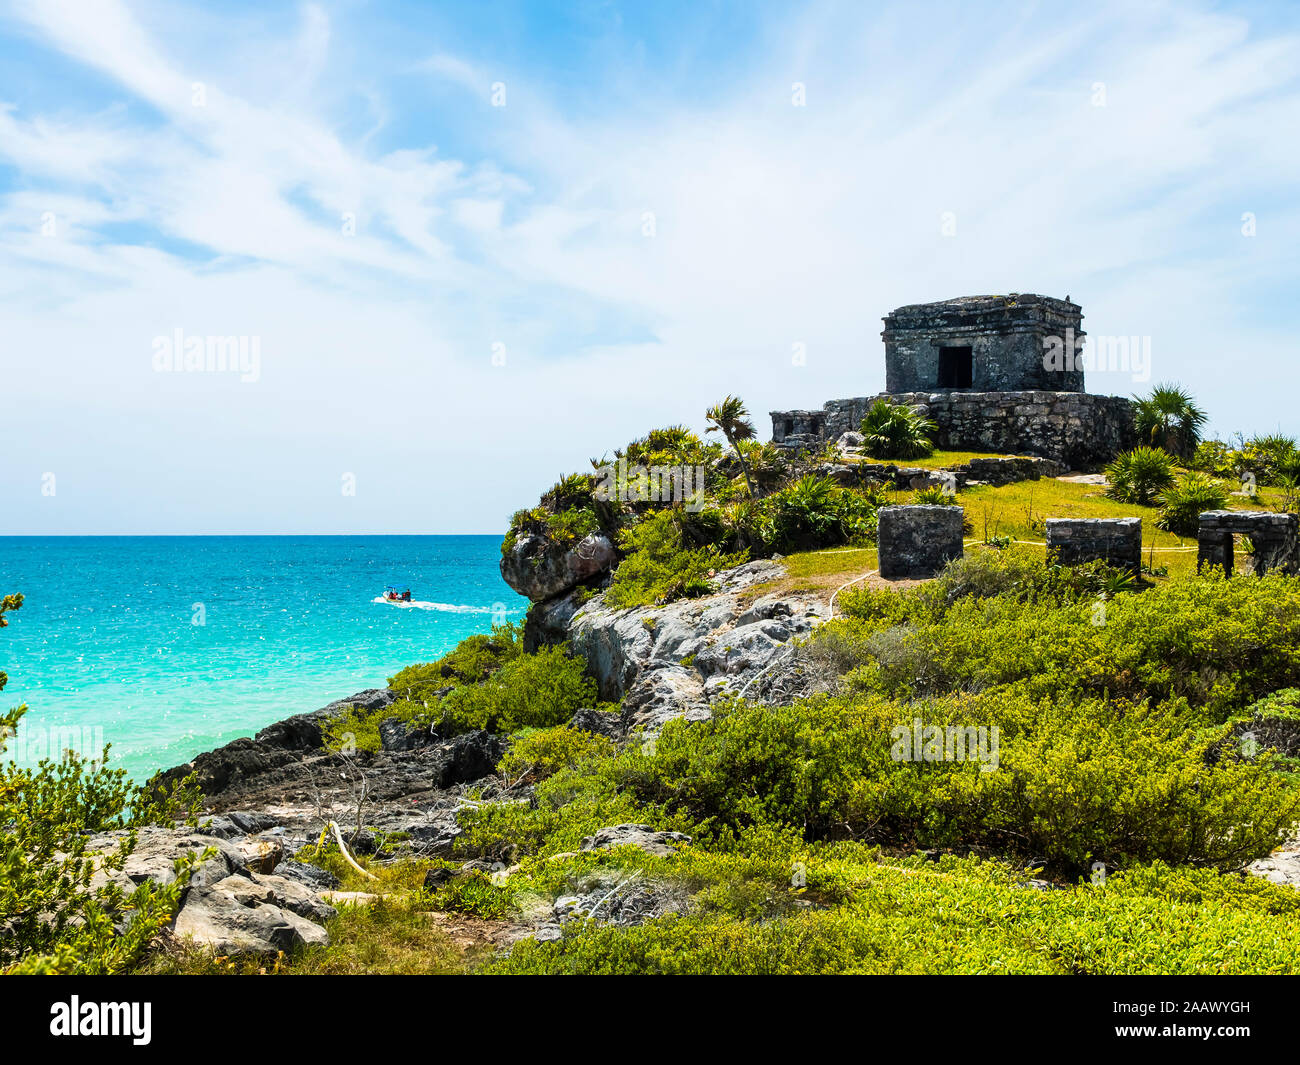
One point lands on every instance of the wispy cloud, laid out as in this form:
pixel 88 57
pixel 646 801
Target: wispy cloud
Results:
pixel 634 244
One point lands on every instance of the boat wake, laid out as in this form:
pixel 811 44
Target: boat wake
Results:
pixel 446 608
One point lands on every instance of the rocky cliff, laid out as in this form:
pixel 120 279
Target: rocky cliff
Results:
pixel 270 795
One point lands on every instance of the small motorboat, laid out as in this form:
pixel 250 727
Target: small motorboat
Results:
pixel 395 595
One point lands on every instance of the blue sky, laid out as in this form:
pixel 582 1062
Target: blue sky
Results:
pixel 477 244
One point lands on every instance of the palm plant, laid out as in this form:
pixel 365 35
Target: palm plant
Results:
pixel 766 463
pixel 893 431
pixel 1183 502
pixel 1169 418
pixel 1138 476
pixel 731 419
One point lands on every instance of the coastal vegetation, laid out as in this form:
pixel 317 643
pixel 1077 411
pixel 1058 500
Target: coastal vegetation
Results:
pixel 1015 767
pixel 894 431
pixel 1110 836
pixel 61 910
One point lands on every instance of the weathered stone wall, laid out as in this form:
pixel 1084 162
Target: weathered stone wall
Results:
pixel 998 472
pixel 1275 538
pixel 1008 337
pixel 1116 541
pixel 1080 430
pixel 916 542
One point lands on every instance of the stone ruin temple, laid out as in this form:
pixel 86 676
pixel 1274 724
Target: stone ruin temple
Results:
pixel 995 373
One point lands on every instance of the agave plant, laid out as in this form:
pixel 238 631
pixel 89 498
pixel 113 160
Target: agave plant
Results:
pixel 1169 418
pixel 1138 476
pixel 731 419
pixel 893 431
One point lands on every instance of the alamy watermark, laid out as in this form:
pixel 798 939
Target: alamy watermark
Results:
pixel 31 744
pixel 1130 354
pixel 176 353
pixel 920 742
pixel 651 484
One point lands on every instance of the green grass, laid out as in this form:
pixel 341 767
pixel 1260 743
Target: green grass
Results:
pixel 831 562
pixel 937 459
pixel 876 915
pixel 1019 510
pixel 940 459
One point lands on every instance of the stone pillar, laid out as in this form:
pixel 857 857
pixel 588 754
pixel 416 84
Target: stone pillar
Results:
pixel 918 541
pixel 1213 547
pixel 1273 536
pixel 1115 541
pixel 1276 543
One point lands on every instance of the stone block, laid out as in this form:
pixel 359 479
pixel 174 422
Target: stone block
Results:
pixel 916 542
pixel 1115 541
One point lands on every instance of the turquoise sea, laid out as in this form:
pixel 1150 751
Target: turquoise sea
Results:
pixel 170 645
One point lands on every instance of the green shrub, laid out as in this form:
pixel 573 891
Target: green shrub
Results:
pixel 357 729
pixel 1218 644
pixel 472 660
pixel 474 893
pixel 815 512
pixel 1138 476
pixel 1270 457
pixel 539 753
pixel 1071 781
pixel 1182 504
pixel 53 919
pixel 529 691
pixel 894 431
pixel 954 916
pixel 1216 457
pixel 572 492
pixel 658 567
pixel 570 526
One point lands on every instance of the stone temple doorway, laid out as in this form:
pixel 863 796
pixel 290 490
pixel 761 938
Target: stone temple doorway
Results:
pixel 955 367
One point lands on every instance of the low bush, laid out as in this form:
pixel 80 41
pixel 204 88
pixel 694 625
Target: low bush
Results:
pixel 956 916
pixel 529 691
pixel 1001 619
pixel 472 660
pixel 1140 475
pixel 536 754
pixel 1182 504
pixel 660 567
pixel 54 918
pixel 816 512
pixel 894 431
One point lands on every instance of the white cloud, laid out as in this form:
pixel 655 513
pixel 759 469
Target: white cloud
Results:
pixel 772 225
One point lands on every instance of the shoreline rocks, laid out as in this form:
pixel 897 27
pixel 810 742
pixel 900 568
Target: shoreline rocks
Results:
pixel 234 902
pixel 541 569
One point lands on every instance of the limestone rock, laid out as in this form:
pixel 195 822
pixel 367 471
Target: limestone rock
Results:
pixel 228 905
pixel 672 660
pixel 242 921
pixel 539 569
pixel 644 837
pixel 597 722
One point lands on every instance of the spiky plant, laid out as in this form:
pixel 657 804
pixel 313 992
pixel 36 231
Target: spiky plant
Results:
pixel 1182 504
pixel 893 431
pixel 1169 418
pixel 933 496
pixel 1138 476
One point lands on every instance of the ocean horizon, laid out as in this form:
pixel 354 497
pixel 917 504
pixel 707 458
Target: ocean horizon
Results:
pixel 169 645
